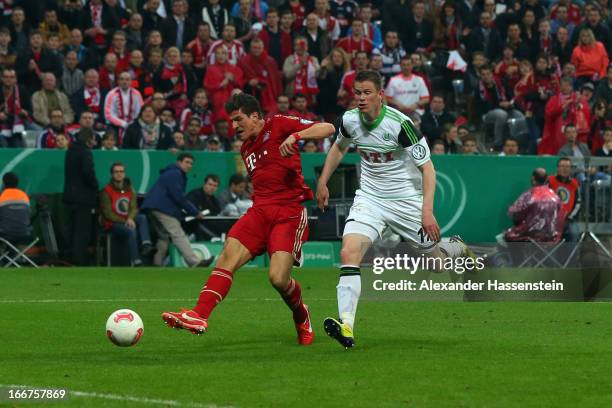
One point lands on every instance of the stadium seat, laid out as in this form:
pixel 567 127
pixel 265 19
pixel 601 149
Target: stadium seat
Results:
pixel 30 138
pixel 11 255
pixel 540 252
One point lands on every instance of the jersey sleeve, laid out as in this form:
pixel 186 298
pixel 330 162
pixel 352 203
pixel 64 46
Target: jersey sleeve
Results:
pixel 291 124
pixel 423 91
pixel 389 90
pixel 408 135
pixel 343 138
pixel 419 152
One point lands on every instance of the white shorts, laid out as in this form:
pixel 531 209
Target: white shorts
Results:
pixel 371 217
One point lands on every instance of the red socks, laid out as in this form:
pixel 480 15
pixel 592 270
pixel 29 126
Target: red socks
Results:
pixel 214 291
pixel 293 298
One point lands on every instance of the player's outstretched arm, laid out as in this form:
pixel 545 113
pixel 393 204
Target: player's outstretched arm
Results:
pixel 315 132
pixel 333 159
pixel 430 225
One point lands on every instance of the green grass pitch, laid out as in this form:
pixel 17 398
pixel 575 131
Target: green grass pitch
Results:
pixel 408 354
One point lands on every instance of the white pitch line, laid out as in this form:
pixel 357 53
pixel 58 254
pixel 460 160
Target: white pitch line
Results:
pixel 13 301
pixel 115 397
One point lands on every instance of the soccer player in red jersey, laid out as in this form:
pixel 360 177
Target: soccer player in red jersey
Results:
pixel 277 222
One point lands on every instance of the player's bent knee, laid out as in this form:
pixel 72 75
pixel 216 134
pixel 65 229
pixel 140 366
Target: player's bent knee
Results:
pixel 280 269
pixel 233 255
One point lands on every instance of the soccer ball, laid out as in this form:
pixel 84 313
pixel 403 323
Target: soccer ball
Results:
pixel 124 327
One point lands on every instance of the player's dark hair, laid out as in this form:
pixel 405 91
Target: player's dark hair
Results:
pixel 10 180
pixel 184 156
pixel 212 177
pixel 116 164
pixel 244 103
pixel 237 179
pixel 370 75
pixel 539 176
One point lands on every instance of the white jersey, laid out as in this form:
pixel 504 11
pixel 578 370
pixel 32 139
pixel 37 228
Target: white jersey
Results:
pixel 407 90
pixel 391 150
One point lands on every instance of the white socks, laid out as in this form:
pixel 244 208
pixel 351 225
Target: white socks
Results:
pixel 349 290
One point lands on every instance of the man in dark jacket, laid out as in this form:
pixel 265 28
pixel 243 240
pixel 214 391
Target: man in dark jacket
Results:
pixel 14 211
pixel 34 61
pixel 166 203
pixel 435 118
pixel 80 194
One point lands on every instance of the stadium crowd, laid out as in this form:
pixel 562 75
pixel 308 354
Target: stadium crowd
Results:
pixel 154 74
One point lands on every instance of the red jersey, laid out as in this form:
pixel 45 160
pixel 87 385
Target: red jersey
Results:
pixel 276 179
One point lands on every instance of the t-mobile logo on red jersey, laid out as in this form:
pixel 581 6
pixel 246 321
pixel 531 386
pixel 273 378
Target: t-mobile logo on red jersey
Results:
pixel 251 159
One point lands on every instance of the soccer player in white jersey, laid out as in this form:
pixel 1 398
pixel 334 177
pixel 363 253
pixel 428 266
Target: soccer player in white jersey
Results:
pixel 397 188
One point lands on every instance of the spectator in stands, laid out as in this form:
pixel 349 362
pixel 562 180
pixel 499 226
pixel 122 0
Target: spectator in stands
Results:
pixel 122 104
pixel 72 77
pixel 450 137
pixel 89 96
pixel 301 70
pixel 496 107
pixel 15 223
pixel 33 62
pixel 234 48
pixel 178 29
pixel 448 29
pixel 435 118
pixel 171 80
pixel 392 52
pixel 119 215
pixel 142 80
pixel 333 68
pixel 119 48
pixel 193 139
pixel 168 119
pixel 407 92
pixel 437 147
pixel 564 14
pixel 147 133
pixel 562 109
pixel 600 31
pixel 327 22
pixel 606 149
pixel 277 42
pixel 217 16
pixel 204 197
pixel 151 17
pixel 221 79
pixel 537 213
pixel 310 146
pixel 20 30
pixel 282 105
pixel 87 56
pixel 48 99
pixel 604 88
pixel 179 142
pixel 299 104
pixel 48 138
pixel 589 57
pixel 109 141
pixel 319 42
pixel 470 145
pixel 199 109
pixel 345 96
pixel 507 70
pixel 98 19
pixel 165 203
pixel 356 41
pixel 108 77
pixel 8 54
pixel 568 190
pixel 371 30
pixel 562 46
pixel 511 147
pixel 15 108
pixel 80 195
pixel 573 148
pixel 213 144
pixel 235 192
pixel 419 32
pixel 261 76
pixel 135 36
pixel 485 38
pixel 51 24
pixel 199 47
pixel 244 19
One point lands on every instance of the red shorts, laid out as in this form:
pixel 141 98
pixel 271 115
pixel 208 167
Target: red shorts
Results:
pixel 272 228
